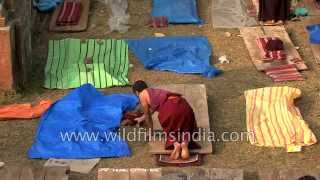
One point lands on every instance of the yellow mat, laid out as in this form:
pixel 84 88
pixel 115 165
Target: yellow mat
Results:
pixel 274 121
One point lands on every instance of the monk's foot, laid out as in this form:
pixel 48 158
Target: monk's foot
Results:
pixel 185 154
pixel 175 154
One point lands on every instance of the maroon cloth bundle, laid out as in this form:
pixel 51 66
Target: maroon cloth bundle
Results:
pixel 69 14
pixel 158 22
pixel 271 48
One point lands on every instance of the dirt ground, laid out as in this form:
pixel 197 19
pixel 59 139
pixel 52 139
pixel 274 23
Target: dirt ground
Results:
pixel 225 94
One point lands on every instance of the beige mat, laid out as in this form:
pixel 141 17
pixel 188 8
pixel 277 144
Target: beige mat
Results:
pixel 82 25
pixel 250 34
pixel 196 95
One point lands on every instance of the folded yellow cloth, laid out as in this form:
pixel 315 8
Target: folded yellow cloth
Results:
pixel 274 121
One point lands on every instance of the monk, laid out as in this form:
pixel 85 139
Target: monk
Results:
pixel 274 12
pixel 175 115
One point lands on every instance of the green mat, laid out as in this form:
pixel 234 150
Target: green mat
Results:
pixel 74 62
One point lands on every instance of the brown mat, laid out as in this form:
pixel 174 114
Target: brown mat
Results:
pixel 250 34
pixel 196 95
pixel 315 48
pixel 164 160
pixel 82 25
pixel 313 10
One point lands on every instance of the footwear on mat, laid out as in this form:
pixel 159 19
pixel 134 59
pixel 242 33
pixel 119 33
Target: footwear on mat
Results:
pixel 73 62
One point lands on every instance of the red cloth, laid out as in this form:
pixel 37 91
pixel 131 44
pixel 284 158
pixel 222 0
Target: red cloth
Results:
pixel 178 121
pixel 69 14
pixel 158 22
pixel 284 73
pixel 24 111
pixel 270 55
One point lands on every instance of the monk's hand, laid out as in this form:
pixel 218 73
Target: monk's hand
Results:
pixel 140 119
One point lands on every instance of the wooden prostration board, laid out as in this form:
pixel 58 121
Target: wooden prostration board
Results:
pixel 250 34
pixel 196 96
pixel 315 48
pixel 82 25
pixel 26 173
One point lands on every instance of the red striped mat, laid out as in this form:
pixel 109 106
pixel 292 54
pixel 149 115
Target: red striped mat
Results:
pixel 69 14
pixel 287 72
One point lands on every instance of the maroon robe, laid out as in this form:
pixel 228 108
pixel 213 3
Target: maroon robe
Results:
pixel 175 115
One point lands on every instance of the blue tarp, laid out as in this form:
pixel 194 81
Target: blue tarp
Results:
pixel 86 113
pixel 314 33
pixel 46 5
pixel 181 54
pixel 177 11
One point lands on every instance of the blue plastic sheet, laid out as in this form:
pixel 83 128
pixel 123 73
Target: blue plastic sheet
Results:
pixel 46 5
pixel 314 33
pixel 181 54
pixel 91 117
pixel 177 11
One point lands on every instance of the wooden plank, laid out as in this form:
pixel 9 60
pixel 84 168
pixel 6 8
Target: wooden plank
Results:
pixel 113 174
pixel 126 174
pixel 196 95
pixel 6 80
pixel 234 174
pixel 268 174
pixel 56 173
pixel 26 174
pixel 82 25
pixel 250 34
pixel 295 174
pixel 10 173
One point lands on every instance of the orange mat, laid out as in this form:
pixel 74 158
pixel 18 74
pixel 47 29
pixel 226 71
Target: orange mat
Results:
pixel 24 111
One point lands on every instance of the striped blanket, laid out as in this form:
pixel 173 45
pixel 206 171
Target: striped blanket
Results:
pixel 74 62
pixel 274 120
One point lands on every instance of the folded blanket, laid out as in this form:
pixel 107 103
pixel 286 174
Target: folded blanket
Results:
pixel 287 72
pixel 274 121
pixel 69 13
pixel 269 55
pixel 158 22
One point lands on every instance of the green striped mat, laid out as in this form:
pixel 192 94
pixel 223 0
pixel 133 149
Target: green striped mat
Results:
pixel 74 62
